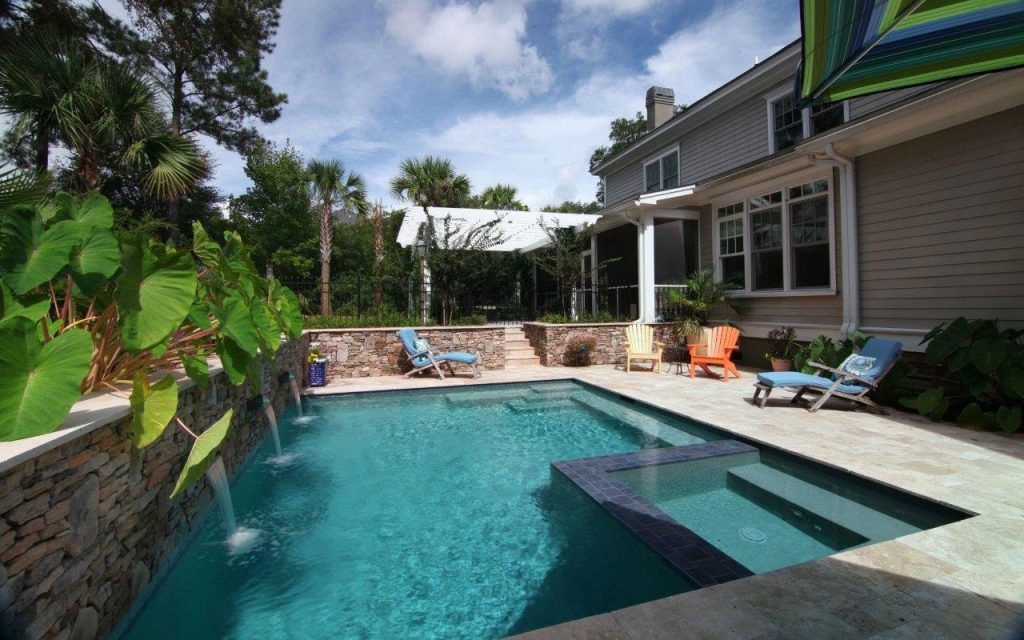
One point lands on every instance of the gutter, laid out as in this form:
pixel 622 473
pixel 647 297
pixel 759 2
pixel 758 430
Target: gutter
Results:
pixel 848 223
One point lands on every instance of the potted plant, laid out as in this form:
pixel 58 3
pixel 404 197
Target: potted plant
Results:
pixel 316 365
pixel 578 347
pixel 781 345
pixel 701 296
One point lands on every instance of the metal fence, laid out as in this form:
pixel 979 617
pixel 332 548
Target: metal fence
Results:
pixel 615 302
pixel 360 296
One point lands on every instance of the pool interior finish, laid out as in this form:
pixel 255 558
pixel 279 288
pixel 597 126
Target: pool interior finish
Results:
pixel 427 514
pixel 767 511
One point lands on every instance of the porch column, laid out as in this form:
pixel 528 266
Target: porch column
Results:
pixel 593 273
pixel 648 311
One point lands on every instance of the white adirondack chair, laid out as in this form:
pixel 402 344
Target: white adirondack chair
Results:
pixel 642 346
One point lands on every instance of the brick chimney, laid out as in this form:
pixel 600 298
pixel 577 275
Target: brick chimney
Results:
pixel 661 102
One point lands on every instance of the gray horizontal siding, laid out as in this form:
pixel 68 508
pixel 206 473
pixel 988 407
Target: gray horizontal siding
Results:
pixel 732 139
pixel 942 226
pixel 624 184
pixel 878 101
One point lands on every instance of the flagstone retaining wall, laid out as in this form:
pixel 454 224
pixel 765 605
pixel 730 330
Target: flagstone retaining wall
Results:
pixel 361 353
pixel 548 341
pixel 85 525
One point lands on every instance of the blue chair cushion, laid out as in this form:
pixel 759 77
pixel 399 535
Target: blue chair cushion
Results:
pixel 458 356
pixel 797 379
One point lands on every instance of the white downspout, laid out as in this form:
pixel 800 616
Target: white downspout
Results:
pixel 848 224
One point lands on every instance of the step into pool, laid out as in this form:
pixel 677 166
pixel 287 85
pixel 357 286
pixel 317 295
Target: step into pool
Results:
pixel 426 514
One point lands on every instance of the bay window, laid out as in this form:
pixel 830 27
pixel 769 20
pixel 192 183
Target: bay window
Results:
pixel 789 240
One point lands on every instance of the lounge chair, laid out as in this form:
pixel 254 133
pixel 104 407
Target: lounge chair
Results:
pixel 852 380
pixel 422 357
pixel 721 342
pixel 642 346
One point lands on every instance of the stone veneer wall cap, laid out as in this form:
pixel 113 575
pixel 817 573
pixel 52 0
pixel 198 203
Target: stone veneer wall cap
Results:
pixel 93 411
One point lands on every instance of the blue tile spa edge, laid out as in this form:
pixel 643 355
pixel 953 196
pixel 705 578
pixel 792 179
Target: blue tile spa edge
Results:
pixel 692 556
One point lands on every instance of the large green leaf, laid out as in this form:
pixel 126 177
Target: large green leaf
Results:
pixel 947 341
pixel 28 306
pixel 285 305
pixel 933 403
pixel 197 368
pixel 236 322
pixel 153 408
pixel 94 211
pixel 202 454
pixel 94 260
pixel 1008 418
pixel 206 249
pixel 30 254
pixel 971 417
pixel 267 328
pixel 988 354
pixel 234 359
pixel 154 294
pixel 39 383
pixel 1012 381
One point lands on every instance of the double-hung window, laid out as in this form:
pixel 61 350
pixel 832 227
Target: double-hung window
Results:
pixel 778 240
pixel 788 124
pixel 731 255
pixel 662 172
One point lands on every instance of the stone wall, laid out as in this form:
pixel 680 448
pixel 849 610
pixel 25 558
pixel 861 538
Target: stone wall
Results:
pixel 548 341
pixel 361 353
pixel 86 525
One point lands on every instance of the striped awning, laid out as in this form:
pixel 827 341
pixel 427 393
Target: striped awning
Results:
pixel 856 47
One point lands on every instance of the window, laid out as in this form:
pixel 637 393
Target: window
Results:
pixel 766 241
pixel 788 124
pixel 662 173
pixel 730 245
pixel 789 239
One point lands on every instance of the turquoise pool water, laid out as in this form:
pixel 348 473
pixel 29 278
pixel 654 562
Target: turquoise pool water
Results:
pixel 422 515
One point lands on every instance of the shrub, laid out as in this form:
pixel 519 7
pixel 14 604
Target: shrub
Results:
pixel 465 321
pixel 781 343
pixel 347 322
pixel 578 346
pixel 586 318
pixel 981 380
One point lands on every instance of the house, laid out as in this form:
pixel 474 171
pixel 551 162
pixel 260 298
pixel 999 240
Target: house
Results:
pixel 888 213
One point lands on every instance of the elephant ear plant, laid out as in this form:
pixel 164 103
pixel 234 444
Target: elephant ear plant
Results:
pixel 82 311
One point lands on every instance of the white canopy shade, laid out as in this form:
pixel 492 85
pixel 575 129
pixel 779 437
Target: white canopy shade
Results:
pixel 519 230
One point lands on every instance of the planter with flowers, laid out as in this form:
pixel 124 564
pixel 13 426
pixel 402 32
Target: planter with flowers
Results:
pixel 316 364
pixel 578 347
pixel 781 347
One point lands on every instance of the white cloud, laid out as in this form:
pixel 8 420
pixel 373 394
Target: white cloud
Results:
pixel 609 8
pixel 545 150
pixel 486 44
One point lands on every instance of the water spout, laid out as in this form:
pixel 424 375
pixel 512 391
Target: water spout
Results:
pixel 239 538
pixel 218 478
pixel 295 393
pixel 268 410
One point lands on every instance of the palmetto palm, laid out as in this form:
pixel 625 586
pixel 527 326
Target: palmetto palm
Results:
pixel 332 187
pixel 101 110
pixel 503 197
pixel 430 182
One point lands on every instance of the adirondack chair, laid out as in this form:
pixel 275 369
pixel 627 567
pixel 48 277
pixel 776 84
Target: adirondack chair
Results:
pixel 722 341
pixel 642 346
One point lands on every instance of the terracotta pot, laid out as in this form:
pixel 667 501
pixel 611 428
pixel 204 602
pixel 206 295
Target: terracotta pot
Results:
pixel 781 365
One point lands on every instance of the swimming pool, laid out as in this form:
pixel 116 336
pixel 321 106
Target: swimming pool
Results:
pixel 423 514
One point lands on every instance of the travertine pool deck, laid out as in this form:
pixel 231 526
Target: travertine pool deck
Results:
pixel 963 580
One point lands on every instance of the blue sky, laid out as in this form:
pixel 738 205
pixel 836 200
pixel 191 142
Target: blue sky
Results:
pixel 515 91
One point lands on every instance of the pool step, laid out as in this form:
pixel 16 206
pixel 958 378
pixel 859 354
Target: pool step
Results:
pixel 760 482
pixel 488 397
pixel 648 424
pixel 536 406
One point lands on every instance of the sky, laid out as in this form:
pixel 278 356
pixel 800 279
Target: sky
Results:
pixel 512 91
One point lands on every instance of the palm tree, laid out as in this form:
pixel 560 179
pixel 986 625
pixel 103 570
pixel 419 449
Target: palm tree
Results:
pixel 430 182
pixel 502 197
pixel 332 187
pixel 101 110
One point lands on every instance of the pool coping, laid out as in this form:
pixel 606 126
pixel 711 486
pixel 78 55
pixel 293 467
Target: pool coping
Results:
pixel 689 554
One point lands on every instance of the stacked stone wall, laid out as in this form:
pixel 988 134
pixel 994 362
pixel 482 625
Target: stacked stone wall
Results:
pixel 549 341
pixel 361 353
pixel 85 526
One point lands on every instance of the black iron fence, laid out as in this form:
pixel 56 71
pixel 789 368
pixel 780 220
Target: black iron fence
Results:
pixel 359 296
pixel 620 303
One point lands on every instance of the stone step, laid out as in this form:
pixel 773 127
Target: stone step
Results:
pixel 521 361
pixel 762 483
pixel 638 420
pixel 516 353
pixel 518 344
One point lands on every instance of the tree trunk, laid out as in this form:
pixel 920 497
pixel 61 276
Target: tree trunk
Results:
pixel 378 249
pixel 326 237
pixel 176 107
pixel 88 172
pixel 43 148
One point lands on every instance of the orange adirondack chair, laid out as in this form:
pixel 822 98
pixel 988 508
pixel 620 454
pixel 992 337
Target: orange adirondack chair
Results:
pixel 722 341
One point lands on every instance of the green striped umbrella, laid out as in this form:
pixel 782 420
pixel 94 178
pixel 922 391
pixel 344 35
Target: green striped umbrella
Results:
pixel 856 47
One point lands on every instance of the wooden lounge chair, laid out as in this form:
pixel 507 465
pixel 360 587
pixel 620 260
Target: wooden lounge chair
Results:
pixel 852 380
pixel 423 358
pixel 642 346
pixel 722 341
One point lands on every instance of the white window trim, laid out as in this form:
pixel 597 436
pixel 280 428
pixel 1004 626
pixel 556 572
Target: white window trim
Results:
pixel 793 180
pixel 805 115
pixel 657 158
